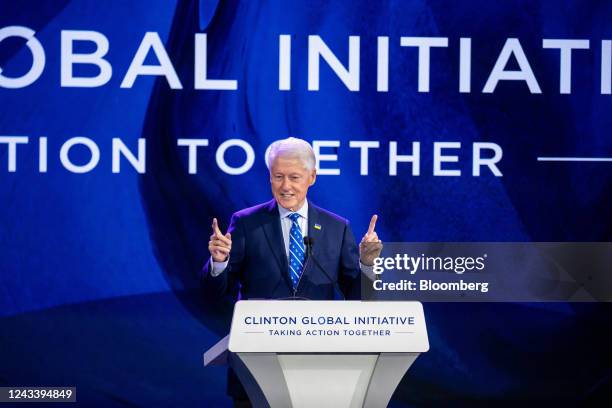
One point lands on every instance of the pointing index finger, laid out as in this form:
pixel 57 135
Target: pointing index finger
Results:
pixel 372 224
pixel 215 227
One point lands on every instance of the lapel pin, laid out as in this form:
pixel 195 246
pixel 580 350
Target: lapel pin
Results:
pixel 317 227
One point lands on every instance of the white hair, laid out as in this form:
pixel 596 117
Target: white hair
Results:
pixel 292 148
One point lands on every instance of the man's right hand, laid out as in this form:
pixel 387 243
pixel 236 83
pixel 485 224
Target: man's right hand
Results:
pixel 219 245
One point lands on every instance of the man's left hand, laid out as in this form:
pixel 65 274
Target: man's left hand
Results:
pixel 370 246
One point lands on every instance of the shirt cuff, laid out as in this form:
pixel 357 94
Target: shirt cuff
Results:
pixel 217 267
pixel 368 271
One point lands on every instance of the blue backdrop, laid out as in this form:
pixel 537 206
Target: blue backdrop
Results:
pixel 97 270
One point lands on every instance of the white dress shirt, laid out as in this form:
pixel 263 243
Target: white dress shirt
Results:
pixel 286 223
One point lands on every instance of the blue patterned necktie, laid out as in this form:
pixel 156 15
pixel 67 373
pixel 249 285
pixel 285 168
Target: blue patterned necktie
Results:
pixel 297 252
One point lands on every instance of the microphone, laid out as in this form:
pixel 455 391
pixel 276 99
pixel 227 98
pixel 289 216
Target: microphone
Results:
pixel 309 243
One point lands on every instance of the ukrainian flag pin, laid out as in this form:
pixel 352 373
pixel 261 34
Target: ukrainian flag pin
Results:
pixel 317 227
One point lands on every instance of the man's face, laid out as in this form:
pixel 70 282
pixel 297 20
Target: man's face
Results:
pixel 290 181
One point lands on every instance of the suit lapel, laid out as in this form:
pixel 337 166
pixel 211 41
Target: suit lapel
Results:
pixel 315 233
pixel 274 235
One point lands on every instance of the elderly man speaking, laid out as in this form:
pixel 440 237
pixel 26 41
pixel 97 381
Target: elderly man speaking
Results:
pixel 287 247
pixel 267 247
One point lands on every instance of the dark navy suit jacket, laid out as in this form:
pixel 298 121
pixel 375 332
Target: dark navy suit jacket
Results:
pixel 258 261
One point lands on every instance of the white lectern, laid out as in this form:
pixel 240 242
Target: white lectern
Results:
pixel 322 353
